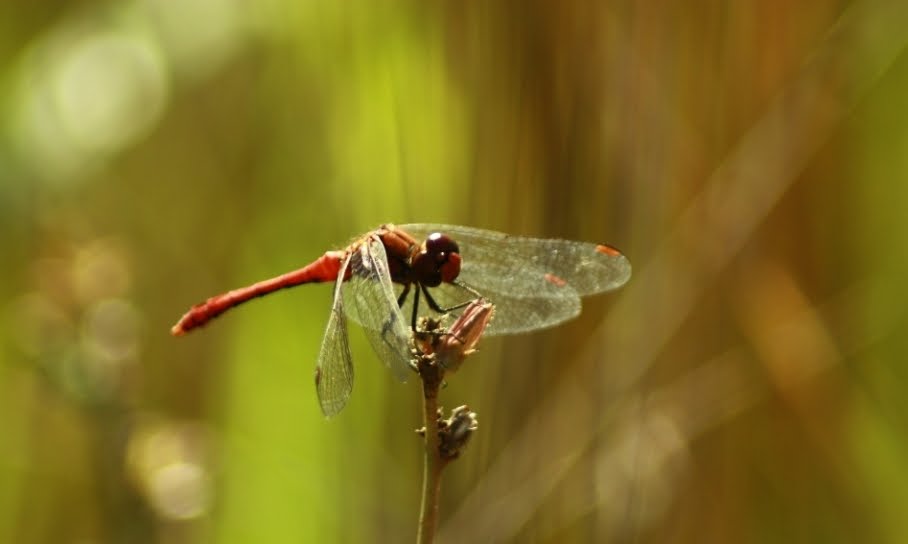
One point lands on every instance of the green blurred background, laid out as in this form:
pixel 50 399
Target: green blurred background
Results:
pixel 751 159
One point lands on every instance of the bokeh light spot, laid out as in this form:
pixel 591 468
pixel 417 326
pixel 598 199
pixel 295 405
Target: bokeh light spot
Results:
pixel 111 324
pixel 168 461
pixel 100 270
pixel 109 89
pixel 84 93
pixel 180 491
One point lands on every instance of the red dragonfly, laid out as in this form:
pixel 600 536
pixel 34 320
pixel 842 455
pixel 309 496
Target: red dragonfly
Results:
pixel 534 284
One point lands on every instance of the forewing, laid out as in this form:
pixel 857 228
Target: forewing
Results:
pixel 334 372
pixel 370 301
pixel 587 268
pixel 534 282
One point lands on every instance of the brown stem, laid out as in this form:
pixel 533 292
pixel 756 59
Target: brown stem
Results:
pixel 437 350
pixel 433 463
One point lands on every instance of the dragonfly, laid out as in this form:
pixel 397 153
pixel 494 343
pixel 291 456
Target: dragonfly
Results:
pixel 533 283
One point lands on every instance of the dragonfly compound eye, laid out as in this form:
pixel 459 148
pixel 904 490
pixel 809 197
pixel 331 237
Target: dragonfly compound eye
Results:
pixel 438 262
pixel 439 244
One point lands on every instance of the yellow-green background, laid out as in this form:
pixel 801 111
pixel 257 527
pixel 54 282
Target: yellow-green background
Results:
pixel 751 159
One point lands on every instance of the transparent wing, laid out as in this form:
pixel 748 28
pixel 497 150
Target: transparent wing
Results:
pixel 519 313
pixel 587 268
pixel 370 301
pixel 334 371
pixel 534 282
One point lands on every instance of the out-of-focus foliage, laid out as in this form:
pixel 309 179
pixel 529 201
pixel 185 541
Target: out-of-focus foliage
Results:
pixel 749 158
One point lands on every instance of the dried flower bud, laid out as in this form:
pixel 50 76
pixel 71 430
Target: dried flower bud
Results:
pixel 425 337
pixel 453 346
pixel 455 432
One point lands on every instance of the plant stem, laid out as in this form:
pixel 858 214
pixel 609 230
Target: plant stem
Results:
pixel 433 463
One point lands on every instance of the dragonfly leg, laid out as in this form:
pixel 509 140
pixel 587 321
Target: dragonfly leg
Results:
pixel 434 305
pixel 403 296
pixel 415 308
pixel 472 291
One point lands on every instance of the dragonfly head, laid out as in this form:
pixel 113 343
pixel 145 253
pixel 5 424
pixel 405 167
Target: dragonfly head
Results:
pixel 437 261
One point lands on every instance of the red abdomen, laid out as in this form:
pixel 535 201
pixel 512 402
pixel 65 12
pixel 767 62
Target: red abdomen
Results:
pixel 323 269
